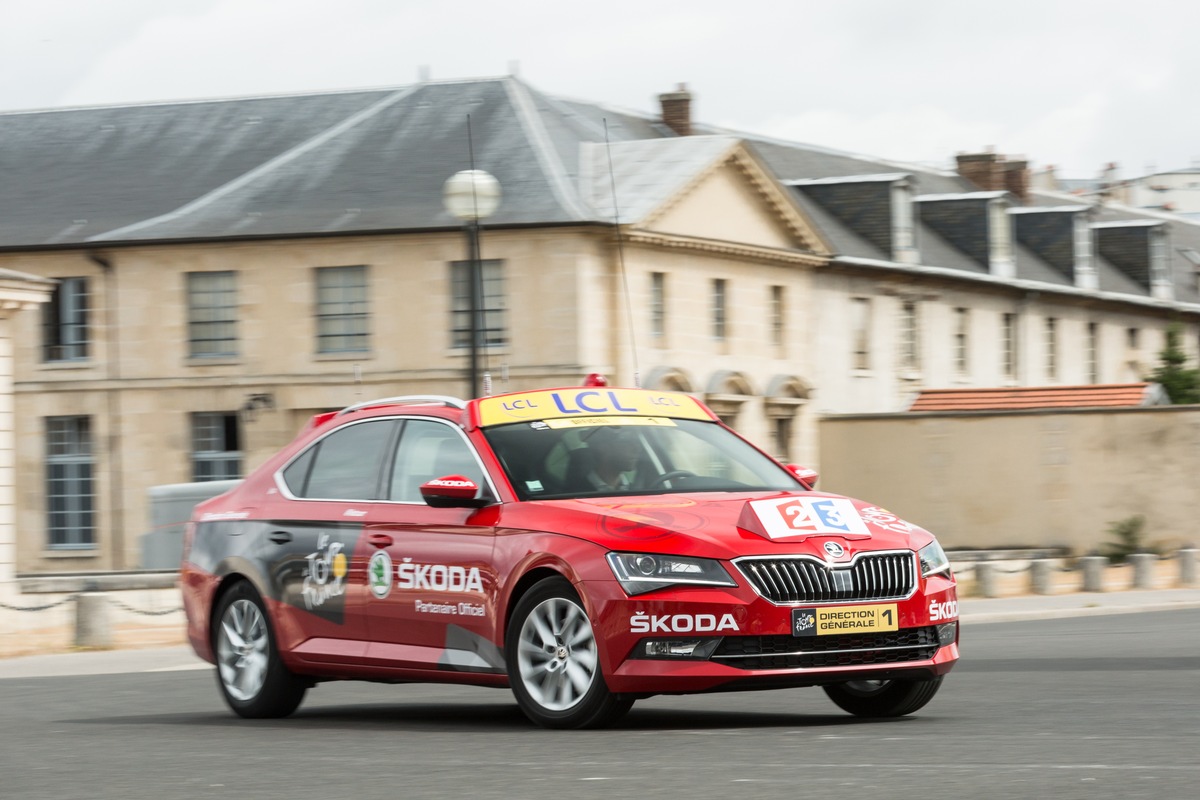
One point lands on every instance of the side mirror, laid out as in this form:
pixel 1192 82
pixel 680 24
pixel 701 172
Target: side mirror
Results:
pixel 453 491
pixel 806 476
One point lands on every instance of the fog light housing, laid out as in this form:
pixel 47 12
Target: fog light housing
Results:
pixel 947 633
pixel 697 649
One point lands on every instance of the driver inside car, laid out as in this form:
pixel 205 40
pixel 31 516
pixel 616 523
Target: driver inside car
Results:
pixel 608 462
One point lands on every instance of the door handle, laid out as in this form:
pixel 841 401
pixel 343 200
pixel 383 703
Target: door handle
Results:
pixel 280 537
pixel 379 540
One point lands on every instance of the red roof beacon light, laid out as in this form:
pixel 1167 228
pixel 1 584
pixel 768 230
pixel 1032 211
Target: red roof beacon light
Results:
pixel 595 379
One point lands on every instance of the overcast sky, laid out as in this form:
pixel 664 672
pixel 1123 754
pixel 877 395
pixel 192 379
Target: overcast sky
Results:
pixel 1070 83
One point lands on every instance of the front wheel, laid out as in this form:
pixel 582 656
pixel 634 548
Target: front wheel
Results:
pixel 883 698
pixel 252 677
pixel 554 664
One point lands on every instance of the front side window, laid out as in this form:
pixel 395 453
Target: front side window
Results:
pixel 65 322
pixel 212 314
pixel 70 486
pixel 216 446
pixel 342 310
pixel 430 450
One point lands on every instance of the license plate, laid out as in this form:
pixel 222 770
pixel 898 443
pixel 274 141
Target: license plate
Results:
pixel 830 620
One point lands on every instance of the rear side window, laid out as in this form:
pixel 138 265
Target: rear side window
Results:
pixel 345 465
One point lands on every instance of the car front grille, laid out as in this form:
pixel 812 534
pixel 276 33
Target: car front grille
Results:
pixel 791 580
pixel 814 652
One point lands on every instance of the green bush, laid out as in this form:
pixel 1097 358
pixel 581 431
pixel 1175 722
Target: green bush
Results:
pixel 1128 538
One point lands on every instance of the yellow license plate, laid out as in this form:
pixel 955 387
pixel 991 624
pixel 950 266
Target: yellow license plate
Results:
pixel 831 620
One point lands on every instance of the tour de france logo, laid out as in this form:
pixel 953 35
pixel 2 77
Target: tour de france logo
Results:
pixel 379 574
pixel 324 573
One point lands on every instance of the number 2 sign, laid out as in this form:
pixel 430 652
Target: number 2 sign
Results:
pixel 796 516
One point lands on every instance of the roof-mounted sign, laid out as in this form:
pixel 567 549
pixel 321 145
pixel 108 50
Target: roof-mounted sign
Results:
pixel 587 402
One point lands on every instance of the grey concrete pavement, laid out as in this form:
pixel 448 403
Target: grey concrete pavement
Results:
pixel 973 611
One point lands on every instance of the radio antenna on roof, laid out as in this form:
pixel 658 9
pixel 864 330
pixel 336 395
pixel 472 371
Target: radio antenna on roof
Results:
pixel 612 179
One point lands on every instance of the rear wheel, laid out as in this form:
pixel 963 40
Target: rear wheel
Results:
pixel 554 663
pixel 883 698
pixel 252 677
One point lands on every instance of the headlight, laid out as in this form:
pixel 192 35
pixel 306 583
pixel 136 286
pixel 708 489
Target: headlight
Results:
pixel 642 572
pixel 933 559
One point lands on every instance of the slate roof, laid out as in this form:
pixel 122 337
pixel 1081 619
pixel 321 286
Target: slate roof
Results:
pixel 373 161
pixel 1113 395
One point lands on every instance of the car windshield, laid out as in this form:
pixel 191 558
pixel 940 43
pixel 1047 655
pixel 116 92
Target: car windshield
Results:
pixel 631 455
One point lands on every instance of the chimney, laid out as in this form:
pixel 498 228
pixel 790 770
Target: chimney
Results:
pixel 677 110
pixel 982 169
pixel 1016 179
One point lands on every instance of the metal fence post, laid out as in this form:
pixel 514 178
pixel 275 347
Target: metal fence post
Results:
pixel 1187 567
pixel 985 580
pixel 1143 570
pixel 1093 572
pixel 93 621
pixel 1039 575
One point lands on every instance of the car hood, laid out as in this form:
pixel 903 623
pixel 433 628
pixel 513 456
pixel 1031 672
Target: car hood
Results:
pixel 724 525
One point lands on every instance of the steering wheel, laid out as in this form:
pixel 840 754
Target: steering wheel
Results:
pixel 672 475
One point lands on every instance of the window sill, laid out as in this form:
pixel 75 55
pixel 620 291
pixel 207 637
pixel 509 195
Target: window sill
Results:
pixel 862 373
pixel 484 352
pixel 89 552
pixel 357 355
pixel 213 361
pixel 85 363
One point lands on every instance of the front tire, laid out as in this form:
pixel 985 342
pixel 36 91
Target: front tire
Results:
pixel 554 663
pixel 252 677
pixel 883 698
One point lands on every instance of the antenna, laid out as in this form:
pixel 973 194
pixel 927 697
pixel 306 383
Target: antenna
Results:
pixel 612 179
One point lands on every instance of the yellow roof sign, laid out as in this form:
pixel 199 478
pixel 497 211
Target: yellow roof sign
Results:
pixel 587 402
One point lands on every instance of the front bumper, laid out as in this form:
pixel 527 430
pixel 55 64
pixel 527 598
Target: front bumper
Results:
pixel 743 641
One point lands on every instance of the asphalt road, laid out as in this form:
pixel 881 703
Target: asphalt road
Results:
pixel 1093 707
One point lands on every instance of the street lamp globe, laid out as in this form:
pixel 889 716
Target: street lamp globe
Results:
pixel 471 195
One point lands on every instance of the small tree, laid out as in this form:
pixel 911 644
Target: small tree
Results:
pixel 1181 384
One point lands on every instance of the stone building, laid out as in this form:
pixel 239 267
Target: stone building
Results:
pixel 228 268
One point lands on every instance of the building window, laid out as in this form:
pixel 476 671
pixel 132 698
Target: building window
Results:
pixel 342 310
pixel 1051 348
pixel 658 304
pixel 1093 352
pixel 65 322
pixel 962 342
pixel 216 446
pixel 1132 339
pixel 719 319
pixel 212 314
pixel 775 314
pixel 910 337
pixel 70 489
pixel 860 331
pixel 1010 343
pixel 782 434
pixel 494 325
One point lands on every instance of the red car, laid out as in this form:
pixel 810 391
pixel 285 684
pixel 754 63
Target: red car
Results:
pixel 585 547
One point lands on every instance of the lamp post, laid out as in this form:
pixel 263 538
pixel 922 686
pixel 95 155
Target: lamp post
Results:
pixel 473 195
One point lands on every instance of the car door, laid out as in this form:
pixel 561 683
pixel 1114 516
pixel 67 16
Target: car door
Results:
pixel 315 548
pixel 432 584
